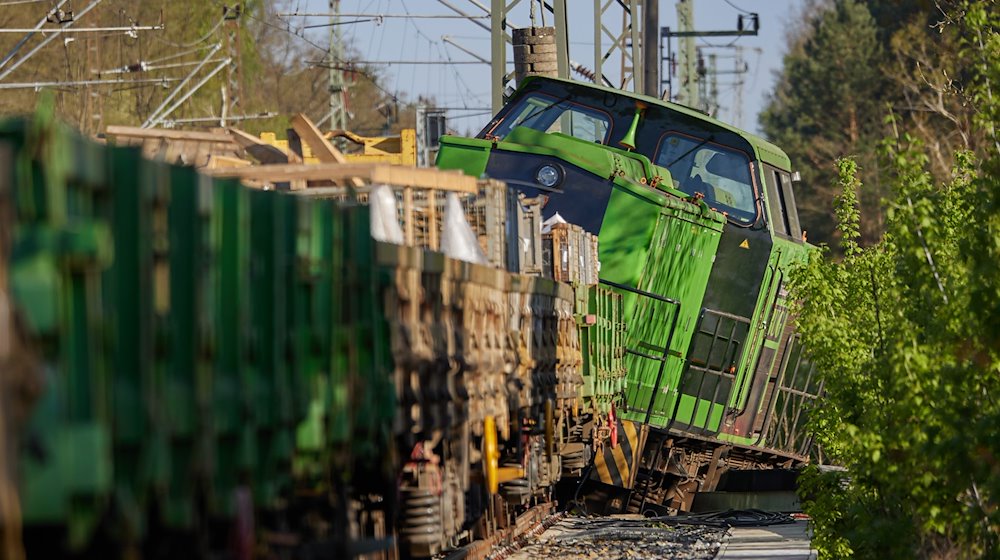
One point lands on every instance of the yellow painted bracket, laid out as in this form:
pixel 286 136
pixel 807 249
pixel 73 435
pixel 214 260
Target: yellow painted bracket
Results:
pixel 495 474
pixel 550 436
pixel 491 454
pixel 507 474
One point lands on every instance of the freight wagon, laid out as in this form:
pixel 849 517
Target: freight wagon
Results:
pixel 195 367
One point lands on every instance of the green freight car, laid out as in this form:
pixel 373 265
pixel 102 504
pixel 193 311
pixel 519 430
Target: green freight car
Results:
pixel 697 231
pixel 194 347
pixel 192 367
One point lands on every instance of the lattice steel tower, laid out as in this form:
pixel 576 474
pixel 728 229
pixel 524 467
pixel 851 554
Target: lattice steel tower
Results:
pixel 338 108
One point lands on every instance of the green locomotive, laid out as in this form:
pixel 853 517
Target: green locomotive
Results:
pixel 697 228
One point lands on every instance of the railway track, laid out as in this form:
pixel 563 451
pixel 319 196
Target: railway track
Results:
pixel 505 541
pixel 542 534
pixel 624 537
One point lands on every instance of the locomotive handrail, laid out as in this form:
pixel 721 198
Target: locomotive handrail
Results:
pixel 666 347
pixel 780 387
pixel 618 286
pixel 730 341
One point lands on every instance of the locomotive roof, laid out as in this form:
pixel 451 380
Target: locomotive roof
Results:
pixel 766 151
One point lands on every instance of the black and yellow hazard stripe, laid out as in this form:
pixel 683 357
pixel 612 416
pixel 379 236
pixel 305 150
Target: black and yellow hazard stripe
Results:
pixel 614 465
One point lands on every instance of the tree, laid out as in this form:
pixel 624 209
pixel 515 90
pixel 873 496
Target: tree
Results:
pixel 826 104
pixel 277 68
pixel 913 75
pixel 907 331
pixel 190 28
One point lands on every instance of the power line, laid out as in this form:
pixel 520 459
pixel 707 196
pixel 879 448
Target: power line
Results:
pixel 40 85
pixel 146 67
pixel 170 123
pixel 458 78
pixel 288 29
pixel 352 65
pixel 471 115
pixel 325 51
pixel 46 40
pixel 196 42
pixel 172 94
pixel 339 23
pixel 385 16
pixel 25 39
pixel 448 40
pixel 160 117
pixel 85 29
pixel 348 65
pixel 737 8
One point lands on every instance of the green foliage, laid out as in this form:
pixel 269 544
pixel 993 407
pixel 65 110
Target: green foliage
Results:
pixel 847 206
pixel 848 65
pixel 907 332
pixel 828 103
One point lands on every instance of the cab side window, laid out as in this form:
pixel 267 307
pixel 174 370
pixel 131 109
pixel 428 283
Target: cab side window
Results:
pixel 781 203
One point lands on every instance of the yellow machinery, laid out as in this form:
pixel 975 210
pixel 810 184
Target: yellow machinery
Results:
pixel 399 150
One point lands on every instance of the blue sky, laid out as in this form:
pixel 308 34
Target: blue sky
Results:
pixel 463 85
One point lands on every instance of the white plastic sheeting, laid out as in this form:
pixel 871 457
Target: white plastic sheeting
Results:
pixel 458 241
pixel 547 224
pixel 384 223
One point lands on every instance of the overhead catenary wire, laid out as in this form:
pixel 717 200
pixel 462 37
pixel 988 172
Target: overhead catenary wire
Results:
pixel 402 50
pixel 371 36
pixel 85 29
pixel 444 51
pixel 146 67
pixel 413 74
pixel 332 24
pixel 459 80
pixel 470 115
pixel 155 60
pixel 190 92
pixel 466 15
pixel 208 35
pixel 17 47
pixel 287 29
pixel 385 16
pixel 351 64
pixel 74 83
pixel 448 40
pixel 149 121
pixel 357 66
pixel 737 8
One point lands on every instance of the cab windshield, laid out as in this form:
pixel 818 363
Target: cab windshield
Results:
pixel 551 114
pixel 721 174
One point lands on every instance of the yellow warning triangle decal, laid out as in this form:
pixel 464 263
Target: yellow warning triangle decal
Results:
pixel 745 244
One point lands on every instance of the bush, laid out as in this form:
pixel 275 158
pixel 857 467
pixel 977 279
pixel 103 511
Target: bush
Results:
pixel 907 332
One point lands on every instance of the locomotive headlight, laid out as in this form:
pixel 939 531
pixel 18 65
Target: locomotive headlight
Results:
pixel 548 176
